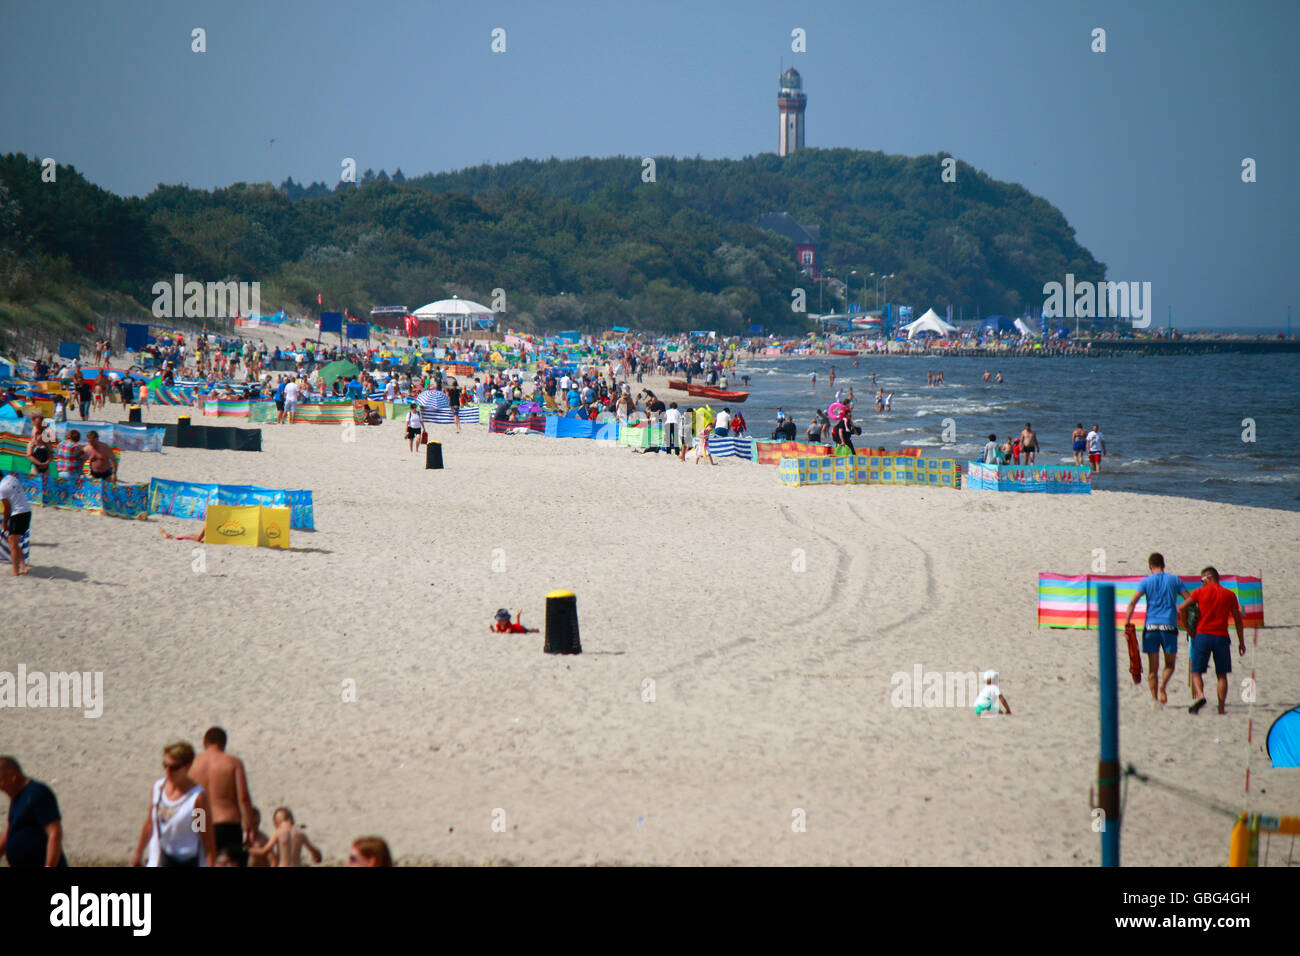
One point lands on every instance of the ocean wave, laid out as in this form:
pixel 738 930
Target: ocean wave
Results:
pixel 1158 462
pixel 1248 479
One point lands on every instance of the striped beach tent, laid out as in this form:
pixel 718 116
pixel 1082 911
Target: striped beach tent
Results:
pixel 1070 600
pixel 435 407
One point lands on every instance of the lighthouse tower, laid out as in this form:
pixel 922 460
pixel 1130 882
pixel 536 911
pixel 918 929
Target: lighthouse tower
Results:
pixel 790 103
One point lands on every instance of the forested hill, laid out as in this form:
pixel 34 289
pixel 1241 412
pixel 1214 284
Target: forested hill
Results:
pixel 573 243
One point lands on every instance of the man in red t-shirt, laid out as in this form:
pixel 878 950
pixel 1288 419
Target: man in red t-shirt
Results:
pixel 1216 604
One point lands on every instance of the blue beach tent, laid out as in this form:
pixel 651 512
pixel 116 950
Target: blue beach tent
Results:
pixel 1283 740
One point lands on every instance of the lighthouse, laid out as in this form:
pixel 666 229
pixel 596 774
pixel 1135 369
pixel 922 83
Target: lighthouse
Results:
pixel 790 103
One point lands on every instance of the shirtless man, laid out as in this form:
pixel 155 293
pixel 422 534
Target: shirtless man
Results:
pixel 1078 443
pixel 1028 443
pixel 100 456
pixel 288 841
pixel 223 777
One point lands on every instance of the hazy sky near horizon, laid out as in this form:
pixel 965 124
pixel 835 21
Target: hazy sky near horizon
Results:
pixel 1141 146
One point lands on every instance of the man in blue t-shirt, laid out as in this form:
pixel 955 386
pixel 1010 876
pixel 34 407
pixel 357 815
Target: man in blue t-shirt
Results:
pixel 278 395
pixel 354 389
pixel 1161 628
pixel 34 836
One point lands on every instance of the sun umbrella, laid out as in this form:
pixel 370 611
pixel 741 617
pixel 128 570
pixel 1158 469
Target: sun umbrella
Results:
pixel 336 370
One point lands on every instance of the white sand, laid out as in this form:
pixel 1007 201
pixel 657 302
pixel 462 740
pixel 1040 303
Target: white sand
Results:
pixel 772 686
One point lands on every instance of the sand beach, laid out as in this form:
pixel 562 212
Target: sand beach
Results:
pixel 733 701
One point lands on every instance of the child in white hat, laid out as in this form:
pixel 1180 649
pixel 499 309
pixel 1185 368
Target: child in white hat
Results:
pixel 990 696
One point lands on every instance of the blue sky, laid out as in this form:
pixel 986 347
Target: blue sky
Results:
pixel 1140 146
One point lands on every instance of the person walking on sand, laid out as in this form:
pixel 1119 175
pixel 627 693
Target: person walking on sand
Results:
pixel 223 778
pixel 453 402
pixel 1078 443
pixel 414 425
pixel 1160 631
pixel 176 804
pixel 33 837
pixel 1029 443
pixel 17 519
pixel 1215 604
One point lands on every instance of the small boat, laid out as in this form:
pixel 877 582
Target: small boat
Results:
pixel 845 352
pixel 677 384
pixel 716 394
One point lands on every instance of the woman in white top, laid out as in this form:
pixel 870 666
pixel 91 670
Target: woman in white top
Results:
pixel 178 829
pixel 414 426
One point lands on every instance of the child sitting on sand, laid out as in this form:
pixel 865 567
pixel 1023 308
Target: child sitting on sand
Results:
pixel 990 696
pixel 288 841
pixel 503 625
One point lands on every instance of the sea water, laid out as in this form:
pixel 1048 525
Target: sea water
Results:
pixel 1220 427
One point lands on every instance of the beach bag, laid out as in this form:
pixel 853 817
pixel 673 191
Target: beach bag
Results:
pixel 424 436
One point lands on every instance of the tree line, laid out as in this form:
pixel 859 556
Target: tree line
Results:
pixel 584 243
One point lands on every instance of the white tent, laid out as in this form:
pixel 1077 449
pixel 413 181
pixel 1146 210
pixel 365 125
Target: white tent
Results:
pixel 454 315
pixel 930 322
pixel 1025 330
